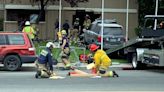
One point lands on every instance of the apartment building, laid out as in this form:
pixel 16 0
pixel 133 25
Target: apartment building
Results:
pixel 14 10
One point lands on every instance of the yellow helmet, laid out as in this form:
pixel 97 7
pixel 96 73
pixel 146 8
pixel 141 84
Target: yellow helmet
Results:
pixel 63 32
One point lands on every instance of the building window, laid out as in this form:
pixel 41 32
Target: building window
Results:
pixel 16 14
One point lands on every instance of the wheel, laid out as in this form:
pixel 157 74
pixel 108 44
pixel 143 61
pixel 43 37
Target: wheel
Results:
pixel 12 62
pixel 134 60
pixel 137 64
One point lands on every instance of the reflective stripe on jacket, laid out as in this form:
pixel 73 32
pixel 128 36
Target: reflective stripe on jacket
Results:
pixel 45 57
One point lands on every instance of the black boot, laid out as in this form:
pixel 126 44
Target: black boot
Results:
pixel 115 74
pixel 38 74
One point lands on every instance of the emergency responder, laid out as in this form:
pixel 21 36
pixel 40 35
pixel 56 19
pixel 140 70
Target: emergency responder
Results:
pixel 66 26
pixel 75 32
pixel 44 63
pixel 29 30
pixel 100 65
pixel 101 61
pixel 65 50
pixel 36 31
pixel 87 22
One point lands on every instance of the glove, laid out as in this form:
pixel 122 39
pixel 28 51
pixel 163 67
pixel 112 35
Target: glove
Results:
pixel 90 60
pixel 52 73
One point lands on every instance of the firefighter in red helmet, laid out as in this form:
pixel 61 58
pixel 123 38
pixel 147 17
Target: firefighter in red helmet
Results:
pixel 101 61
pixel 100 65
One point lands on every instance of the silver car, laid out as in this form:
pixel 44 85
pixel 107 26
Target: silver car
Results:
pixel 113 35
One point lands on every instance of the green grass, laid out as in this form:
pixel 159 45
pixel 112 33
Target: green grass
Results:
pixel 74 53
pixel 57 51
pixel 119 60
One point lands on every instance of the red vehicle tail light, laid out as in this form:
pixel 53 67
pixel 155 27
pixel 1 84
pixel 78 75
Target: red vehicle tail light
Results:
pixel 31 51
pixel 99 38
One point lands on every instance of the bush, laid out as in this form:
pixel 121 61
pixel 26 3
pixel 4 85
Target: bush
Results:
pixel 138 31
pixel 1 24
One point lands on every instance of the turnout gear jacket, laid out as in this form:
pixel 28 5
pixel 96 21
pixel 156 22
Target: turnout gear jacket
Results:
pixel 46 57
pixel 101 60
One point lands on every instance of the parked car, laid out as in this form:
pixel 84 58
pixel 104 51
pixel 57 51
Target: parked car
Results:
pixel 113 34
pixel 16 48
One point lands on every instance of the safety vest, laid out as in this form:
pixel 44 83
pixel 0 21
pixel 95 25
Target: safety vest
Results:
pixel 29 30
pixel 43 56
pixel 59 35
pixel 87 23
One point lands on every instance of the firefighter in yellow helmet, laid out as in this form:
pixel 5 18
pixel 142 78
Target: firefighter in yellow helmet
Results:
pixel 29 30
pixel 65 50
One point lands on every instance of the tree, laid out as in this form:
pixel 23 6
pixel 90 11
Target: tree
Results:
pixel 147 7
pixel 44 3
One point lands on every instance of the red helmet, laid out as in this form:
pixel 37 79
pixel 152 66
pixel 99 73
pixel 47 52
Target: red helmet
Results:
pixel 93 47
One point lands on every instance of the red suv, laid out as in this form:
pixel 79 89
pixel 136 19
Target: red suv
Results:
pixel 16 48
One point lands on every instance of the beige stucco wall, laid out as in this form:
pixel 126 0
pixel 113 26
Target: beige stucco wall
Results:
pixel 47 27
pixel 1 14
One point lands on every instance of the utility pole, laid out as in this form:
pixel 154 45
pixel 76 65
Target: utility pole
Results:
pixel 60 9
pixel 156 13
pixel 127 20
pixel 102 24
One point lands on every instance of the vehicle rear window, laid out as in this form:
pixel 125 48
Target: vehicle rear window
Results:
pixel 2 40
pixel 16 40
pixel 112 31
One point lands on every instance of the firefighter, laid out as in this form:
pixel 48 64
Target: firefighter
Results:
pixel 44 63
pixel 100 65
pixel 65 50
pixel 101 62
pixel 75 32
pixel 29 30
pixel 87 22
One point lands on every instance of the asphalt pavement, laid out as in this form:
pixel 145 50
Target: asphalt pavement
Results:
pixel 115 65
pixel 129 81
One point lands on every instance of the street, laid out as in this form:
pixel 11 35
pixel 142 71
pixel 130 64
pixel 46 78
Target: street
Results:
pixel 129 80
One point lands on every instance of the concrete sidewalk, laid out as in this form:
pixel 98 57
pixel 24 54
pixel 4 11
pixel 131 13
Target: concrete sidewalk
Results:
pixel 83 66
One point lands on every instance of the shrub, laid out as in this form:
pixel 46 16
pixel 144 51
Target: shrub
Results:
pixel 1 24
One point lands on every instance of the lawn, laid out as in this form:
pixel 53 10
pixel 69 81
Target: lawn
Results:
pixel 75 52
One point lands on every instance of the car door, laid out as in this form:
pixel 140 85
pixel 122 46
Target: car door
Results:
pixel 2 45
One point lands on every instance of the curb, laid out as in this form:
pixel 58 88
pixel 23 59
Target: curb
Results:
pixel 83 66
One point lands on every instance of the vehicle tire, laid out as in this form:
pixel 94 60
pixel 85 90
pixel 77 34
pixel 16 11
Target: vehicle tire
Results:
pixel 12 63
pixel 137 64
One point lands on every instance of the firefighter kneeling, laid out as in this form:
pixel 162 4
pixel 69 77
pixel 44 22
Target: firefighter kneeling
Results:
pixel 44 63
pixel 99 67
